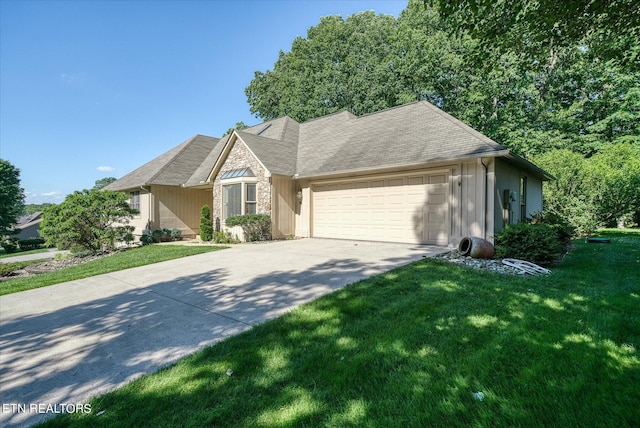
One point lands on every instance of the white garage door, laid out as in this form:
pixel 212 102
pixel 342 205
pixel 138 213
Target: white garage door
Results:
pixel 414 209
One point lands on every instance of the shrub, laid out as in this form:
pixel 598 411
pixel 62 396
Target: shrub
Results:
pixel 223 237
pixel 206 226
pixel 7 269
pixel 146 239
pixel 30 244
pixel 536 243
pixel 9 247
pixel 256 227
pixel 561 226
pixel 88 220
pixel 176 234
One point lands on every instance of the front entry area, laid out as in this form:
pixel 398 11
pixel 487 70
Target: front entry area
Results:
pixel 411 208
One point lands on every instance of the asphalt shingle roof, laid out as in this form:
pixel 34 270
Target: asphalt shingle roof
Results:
pixel 411 134
pixel 173 168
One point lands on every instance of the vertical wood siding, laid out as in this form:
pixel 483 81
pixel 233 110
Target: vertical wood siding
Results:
pixel 283 207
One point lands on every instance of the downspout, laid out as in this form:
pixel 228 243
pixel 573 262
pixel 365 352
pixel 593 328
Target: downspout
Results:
pixel 484 200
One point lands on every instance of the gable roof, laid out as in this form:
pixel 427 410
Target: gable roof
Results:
pixel 173 168
pixel 278 156
pixel 408 135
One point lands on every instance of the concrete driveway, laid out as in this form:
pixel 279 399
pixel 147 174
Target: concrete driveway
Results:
pixel 65 343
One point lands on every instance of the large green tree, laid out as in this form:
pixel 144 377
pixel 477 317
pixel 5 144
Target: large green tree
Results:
pixel 611 28
pixel 341 65
pixel 11 197
pixel 89 220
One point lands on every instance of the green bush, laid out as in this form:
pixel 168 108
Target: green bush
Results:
pixel 10 247
pixel 6 269
pixel 206 226
pixel 536 243
pixel 146 239
pixel 565 230
pixel 256 227
pixel 30 244
pixel 223 237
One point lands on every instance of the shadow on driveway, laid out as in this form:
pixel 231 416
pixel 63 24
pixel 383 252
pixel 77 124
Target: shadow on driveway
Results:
pixel 73 353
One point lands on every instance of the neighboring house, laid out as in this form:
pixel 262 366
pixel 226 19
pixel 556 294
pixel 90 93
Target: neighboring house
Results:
pixel 29 226
pixel 412 173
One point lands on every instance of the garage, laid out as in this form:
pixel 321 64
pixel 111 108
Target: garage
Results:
pixel 412 208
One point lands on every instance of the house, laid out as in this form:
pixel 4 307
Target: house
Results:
pixel 411 174
pixel 29 226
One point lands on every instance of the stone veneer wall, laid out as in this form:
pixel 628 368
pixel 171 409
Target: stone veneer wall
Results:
pixel 241 157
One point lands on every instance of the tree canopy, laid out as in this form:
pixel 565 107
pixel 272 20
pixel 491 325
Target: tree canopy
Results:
pixel 537 77
pixel 11 197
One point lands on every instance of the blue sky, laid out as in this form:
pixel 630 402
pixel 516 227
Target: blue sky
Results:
pixel 94 89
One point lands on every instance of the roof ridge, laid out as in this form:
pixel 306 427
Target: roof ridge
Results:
pixel 329 115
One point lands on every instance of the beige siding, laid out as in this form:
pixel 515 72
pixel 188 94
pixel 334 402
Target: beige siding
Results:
pixel 283 207
pixel 142 221
pixel 177 208
pixel 471 204
pixel 508 178
pixel 303 213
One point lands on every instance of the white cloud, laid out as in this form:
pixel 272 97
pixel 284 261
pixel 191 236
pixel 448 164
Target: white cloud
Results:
pixel 106 168
pixel 53 197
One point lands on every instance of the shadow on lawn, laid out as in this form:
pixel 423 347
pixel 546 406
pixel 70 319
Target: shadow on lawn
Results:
pixel 90 348
pixel 410 348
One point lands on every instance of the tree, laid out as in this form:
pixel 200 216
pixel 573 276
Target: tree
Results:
pixel 340 65
pixel 103 182
pixel 11 197
pixel 206 226
pixel 89 220
pixel 612 28
pixel 603 190
pixel 239 126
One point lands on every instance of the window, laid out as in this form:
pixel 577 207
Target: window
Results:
pixel 238 199
pixel 134 200
pixel 232 198
pixel 250 201
pixel 523 198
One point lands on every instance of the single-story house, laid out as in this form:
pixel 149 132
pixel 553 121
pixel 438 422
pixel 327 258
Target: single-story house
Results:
pixel 29 226
pixel 411 174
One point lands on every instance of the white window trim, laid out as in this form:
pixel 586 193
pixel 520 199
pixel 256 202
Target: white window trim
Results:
pixel 243 192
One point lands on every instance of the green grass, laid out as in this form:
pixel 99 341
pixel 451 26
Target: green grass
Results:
pixel 409 348
pixel 122 260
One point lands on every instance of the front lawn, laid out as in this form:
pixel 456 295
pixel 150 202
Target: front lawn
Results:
pixel 428 344
pixel 122 260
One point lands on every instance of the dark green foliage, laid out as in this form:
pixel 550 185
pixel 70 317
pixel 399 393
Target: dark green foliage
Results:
pixel 103 182
pixel 536 243
pixel 256 227
pixel 561 226
pixel 11 197
pixel 10 246
pixel 206 226
pixel 161 235
pixel 89 220
pixel 146 239
pixel 30 244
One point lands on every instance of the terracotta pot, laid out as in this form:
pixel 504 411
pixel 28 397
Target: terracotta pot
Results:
pixel 477 248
